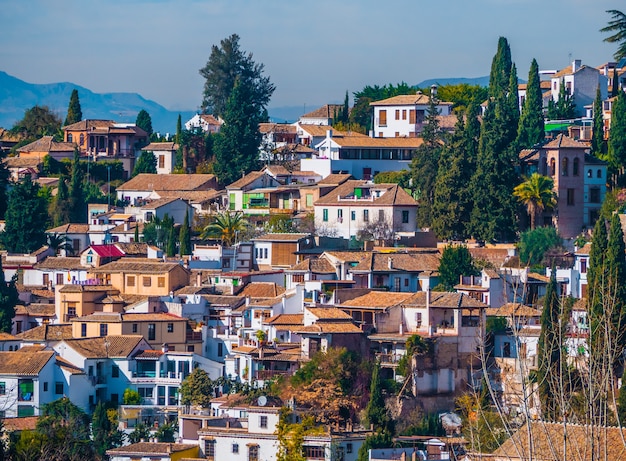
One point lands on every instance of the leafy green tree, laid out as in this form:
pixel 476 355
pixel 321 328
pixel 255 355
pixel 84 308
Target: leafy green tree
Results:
pixel 534 243
pixel 105 436
pixel 225 227
pixel 66 430
pixel 462 95
pixel 38 121
pixel 74 112
pixel 158 231
pixel 197 389
pixel 139 434
pixel 144 121
pixel 598 143
pixel 146 163
pixel 452 204
pixel 237 143
pixel 131 397
pixel 494 211
pixel 227 67
pixel 537 194
pixel 184 237
pixel 617 135
pixel 280 223
pixel 362 113
pixel 9 298
pixel 78 205
pixel 194 148
pixel 403 178
pixel 25 232
pixel 455 261
pixel 531 124
pixel 425 164
pixel 617 25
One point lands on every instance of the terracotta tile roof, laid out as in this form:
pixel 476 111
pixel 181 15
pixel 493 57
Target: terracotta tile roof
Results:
pixel 277 128
pixel 512 309
pixel 285 320
pixel 407 100
pixel 7 337
pixel 159 202
pixel 496 256
pixel 548 441
pixel 335 179
pixel 246 180
pixel 104 317
pixel 120 346
pixel 328 327
pixel 391 195
pixel 21 363
pixel 169 182
pixel 152 317
pixel 69 229
pixel 314 265
pixel 149 354
pixel 87 288
pixel 22 162
pixel 444 300
pixel 211 120
pixel 47 144
pixel 584 250
pixel 137 265
pixel 262 290
pixel 326 111
pixel 286 237
pixel 377 143
pixel 47 332
pixel 133 248
pixel 22 423
pixel 278 170
pixel 60 263
pixel 69 366
pixel 85 125
pixel 192 196
pixel 160 146
pixel 563 141
pixel 380 299
pixel 43 293
pixel 321 130
pixel 40 310
pixel 328 313
pixel 349 256
pixel 265 302
pixel 404 262
pixel 231 302
pixel 151 449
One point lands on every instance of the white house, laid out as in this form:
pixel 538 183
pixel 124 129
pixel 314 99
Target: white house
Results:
pixel 139 188
pixel 165 154
pixel 208 123
pixel 352 206
pixel 404 115
pixel 581 82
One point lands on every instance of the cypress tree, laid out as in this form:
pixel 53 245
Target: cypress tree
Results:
pixel 598 143
pixel 615 87
pixel 376 412
pixel 5 176
pixel 136 237
pixel 617 135
pixel 170 248
pixel 74 112
pixel 100 429
pixel 8 300
pixel 78 207
pixel 144 121
pixel 615 287
pixel 500 70
pixel 179 129
pixel 184 237
pixel 531 129
pixel 61 211
pixel 549 352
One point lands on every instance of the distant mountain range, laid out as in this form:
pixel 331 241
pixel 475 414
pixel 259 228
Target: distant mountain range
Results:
pixel 16 96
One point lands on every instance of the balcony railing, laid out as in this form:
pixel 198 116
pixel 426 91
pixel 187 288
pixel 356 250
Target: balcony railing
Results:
pixel 269 374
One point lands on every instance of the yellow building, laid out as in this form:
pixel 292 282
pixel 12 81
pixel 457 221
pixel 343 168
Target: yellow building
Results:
pixel 80 300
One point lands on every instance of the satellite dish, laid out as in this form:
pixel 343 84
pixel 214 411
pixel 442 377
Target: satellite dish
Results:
pixel 262 401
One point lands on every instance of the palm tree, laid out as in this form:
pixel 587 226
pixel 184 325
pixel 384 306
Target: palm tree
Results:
pixel 537 194
pixel 617 25
pixel 58 242
pixel 225 227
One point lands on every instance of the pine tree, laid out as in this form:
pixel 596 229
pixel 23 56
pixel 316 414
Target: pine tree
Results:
pixel 144 121
pixel 531 129
pixel 74 112
pixel 78 207
pixel 425 163
pixel 598 143
pixel 26 218
pixel 146 163
pixel 185 237
pixel 549 352
pixel 9 298
pixel 237 143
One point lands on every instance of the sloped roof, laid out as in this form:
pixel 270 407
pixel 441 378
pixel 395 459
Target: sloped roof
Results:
pixel 107 251
pixel 262 290
pixel 152 317
pixel 330 327
pixel 70 229
pixel 246 180
pixel 133 248
pixel 563 141
pixel 277 128
pixel 377 143
pixel 106 346
pixel 380 299
pixel 326 111
pixel 60 263
pixel 169 182
pixel 21 363
pixel 84 125
pixel 315 266
pixel 445 300
pixel 285 320
pixel 137 265
pixel 281 237
pixel 335 179
pixel 160 146
pixel 407 100
pixel 47 144
pixel 151 449
pixel 393 195
pixel 402 262
pixel 47 332
pixel 328 313
pixel 513 309
pixel 40 310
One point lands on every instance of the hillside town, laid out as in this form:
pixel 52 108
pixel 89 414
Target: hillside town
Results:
pixel 389 287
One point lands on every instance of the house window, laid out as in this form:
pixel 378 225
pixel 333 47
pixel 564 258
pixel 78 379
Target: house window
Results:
pixel 60 277
pixel 263 422
pixel 589 173
pixel 134 328
pixel 564 166
pixel 70 138
pixel 506 349
pixel 104 329
pixel 161 282
pixel 161 161
pixel 382 118
pixel 406 282
pixel 3 388
pixel 45 386
pixel 253 453
pixel 348 448
pixel 381 215
pixel 147 281
pixel 76 246
pixel 220 349
pixel 412 116
pixel 599 174
pixel 115 371
pixel 418 319
pixel 314 452
pixel 46 279
pixel 130 280
pixel 58 388
pixel 265 253
pixel 81 139
pixel 405 217
pixel 297 278
pixel 353 215
pixel 235 448
pixel 309 200
pixel 83 330
pixel 191 348
pixel 570 197
pixel 325 215
pixel 170 328
pixel 594 195
pixel 115 399
pixel 397 114
pixel 71 310
pixel 340 215
pixel 583 266
pixel 403 114
pixel 552 167
pixel 209 449
pixel 366 215
pixel 576 166
pixel 151 332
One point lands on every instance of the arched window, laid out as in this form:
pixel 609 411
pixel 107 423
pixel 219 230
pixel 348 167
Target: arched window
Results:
pixel 82 139
pixel 69 137
pixel 553 167
pixel 589 174
pixel 575 166
pixel 599 174
pixel 564 166
pixel 544 167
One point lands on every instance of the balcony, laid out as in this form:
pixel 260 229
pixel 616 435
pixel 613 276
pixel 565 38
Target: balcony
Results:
pixel 194 336
pixel 389 359
pixel 269 374
pixel 150 377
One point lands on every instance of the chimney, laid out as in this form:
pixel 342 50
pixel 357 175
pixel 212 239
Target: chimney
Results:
pixel 165 348
pixel 126 226
pixel 428 298
pixel 199 279
pixel 401 328
pixel 576 65
pixel 329 133
pixel 389 262
pixel 433 91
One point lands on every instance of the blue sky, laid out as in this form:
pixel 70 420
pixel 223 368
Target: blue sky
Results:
pixel 313 51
